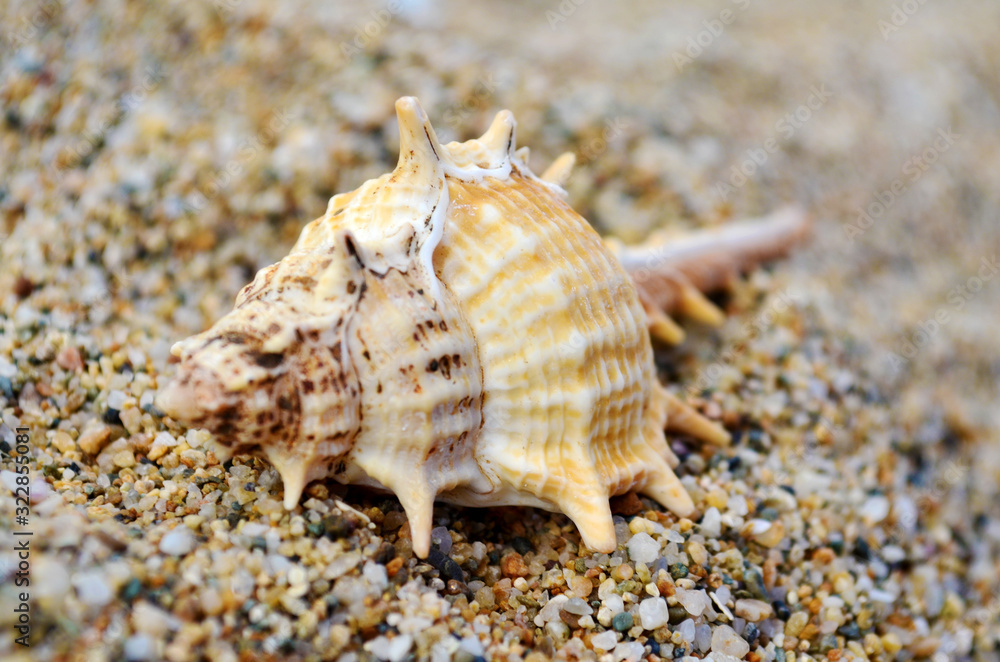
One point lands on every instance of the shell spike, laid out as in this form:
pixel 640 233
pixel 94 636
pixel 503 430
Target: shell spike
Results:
pixel 695 305
pixel 685 419
pixel 664 486
pixel 664 329
pixel 417 140
pixel 587 505
pixel 417 498
pixel 558 173
pixel 499 138
pixel 665 271
pixel 293 471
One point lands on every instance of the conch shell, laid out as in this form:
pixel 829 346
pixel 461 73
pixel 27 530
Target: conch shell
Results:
pixel 453 330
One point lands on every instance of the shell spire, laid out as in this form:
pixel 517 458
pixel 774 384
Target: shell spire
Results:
pixel 418 143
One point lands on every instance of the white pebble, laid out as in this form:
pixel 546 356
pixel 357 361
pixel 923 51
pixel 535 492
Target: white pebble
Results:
pixel 557 630
pixel 695 602
pixel 628 652
pixel 379 647
pixel 753 610
pixel 550 612
pixel 643 549
pixel 116 399
pixel 177 542
pixel 614 603
pixel 441 538
pixel 577 606
pixel 726 641
pixel 376 575
pixel 139 648
pixel 875 509
pixel 472 646
pixel 9 480
pixel 399 647
pixel 686 630
pixel 703 638
pixel 604 641
pixel 653 613
pixel 165 439
pixel 92 589
pixel 711 523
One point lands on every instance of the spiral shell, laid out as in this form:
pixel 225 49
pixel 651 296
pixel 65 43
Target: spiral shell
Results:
pixel 451 330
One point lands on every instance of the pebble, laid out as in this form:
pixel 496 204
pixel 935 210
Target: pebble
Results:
pixel 442 538
pixel 631 651
pixel 94 438
pixel 653 613
pixel 796 624
pixel 711 523
pixel 582 587
pixel 485 598
pixel 694 601
pixel 753 610
pixel 604 641
pixel 139 648
pixel 63 442
pixel 92 589
pixel 124 459
pixel 550 611
pixel 642 548
pixel 449 569
pixel 513 565
pixel 577 606
pixel 726 641
pixel 390 650
pixel 754 580
pixel 703 638
pixel 768 534
pixel 686 630
pixel 697 552
pixel 69 358
pixel 622 622
pixel 178 542
pixel 875 509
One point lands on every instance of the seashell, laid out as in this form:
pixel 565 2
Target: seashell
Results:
pixel 453 330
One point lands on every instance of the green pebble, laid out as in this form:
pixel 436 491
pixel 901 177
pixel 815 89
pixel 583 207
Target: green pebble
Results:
pixel 770 514
pixel 527 601
pixel 131 589
pixel 678 614
pixel 755 583
pixel 336 527
pixel 580 567
pixel 678 571
pixel 629 586
pixel 622 622
pixel 850 631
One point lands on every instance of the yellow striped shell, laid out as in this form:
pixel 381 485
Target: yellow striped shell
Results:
pixel 451 330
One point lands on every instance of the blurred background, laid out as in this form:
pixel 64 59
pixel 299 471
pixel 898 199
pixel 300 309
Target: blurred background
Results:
pixel 154 156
